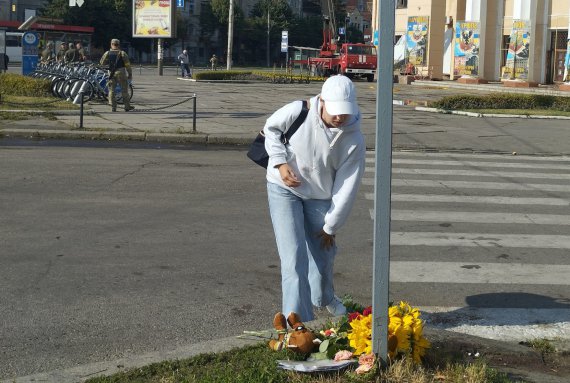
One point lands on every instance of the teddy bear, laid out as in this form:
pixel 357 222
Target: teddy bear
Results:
pixel 299 339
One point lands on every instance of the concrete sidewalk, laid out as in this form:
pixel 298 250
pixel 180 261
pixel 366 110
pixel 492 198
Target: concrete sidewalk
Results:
pixel 233 113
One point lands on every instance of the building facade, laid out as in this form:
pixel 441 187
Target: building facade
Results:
pixel 524 42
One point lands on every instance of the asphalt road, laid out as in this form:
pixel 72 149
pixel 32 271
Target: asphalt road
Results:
pixel 116 251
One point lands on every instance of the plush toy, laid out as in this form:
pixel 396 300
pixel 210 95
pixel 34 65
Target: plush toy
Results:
pixel 299 339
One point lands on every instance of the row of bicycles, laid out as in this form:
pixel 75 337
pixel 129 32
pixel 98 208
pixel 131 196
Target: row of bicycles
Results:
pixel 67 80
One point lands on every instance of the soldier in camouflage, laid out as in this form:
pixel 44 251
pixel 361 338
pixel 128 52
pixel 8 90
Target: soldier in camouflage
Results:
pixel 117 61
pixel 60 57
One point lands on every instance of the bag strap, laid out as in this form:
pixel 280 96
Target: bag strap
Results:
pixel 297 123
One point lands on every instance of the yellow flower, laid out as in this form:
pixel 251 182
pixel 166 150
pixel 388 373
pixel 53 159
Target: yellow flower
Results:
pixel 361 335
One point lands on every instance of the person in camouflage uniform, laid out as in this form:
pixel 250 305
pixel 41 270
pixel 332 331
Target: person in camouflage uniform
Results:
pixel 60 57
pixel 80 52
pixel 71 55
pixel 47 54
pixel 119 65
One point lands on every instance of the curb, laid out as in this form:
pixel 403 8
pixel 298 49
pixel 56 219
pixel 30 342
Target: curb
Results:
pixel 474 114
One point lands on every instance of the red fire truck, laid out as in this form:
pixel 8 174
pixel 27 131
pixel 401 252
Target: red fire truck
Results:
pixel 348 59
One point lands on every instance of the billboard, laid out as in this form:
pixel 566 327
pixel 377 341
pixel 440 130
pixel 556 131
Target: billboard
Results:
pixel 517 63
pixel 466 62
pixel 153 18
pixel 417 39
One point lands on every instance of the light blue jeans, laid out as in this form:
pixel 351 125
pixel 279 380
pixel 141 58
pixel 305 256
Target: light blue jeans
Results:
pixel 306 268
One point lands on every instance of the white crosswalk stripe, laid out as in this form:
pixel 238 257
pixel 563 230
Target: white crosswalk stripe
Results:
pixel 483 220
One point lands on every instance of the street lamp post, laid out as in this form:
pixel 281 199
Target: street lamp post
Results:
pixel 346 23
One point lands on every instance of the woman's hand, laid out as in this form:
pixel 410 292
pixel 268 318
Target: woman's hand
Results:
pixel 327 240
pixel 288 176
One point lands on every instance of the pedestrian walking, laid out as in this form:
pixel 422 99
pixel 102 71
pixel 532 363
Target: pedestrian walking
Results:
pixel 184 61
pixel 120 71
pixel 214 62
pixel 312 182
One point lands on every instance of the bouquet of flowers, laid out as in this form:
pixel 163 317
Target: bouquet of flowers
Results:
pixel 352 336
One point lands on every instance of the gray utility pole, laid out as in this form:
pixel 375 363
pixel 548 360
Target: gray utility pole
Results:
pixel 268 33
pixel 383 179
pixel 230 35
pixel 159 52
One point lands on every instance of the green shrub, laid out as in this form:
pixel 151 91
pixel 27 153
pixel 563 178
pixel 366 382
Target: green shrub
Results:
pixel 561 103
pixel 222 75
pixel 18 85
pixel 504 101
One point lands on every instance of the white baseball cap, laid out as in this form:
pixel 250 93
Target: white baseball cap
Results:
pixel 339 96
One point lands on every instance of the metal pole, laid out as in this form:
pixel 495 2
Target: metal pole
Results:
pixel 194 114
pixel 159 52
pixel 383 180
pixel 81 110
pixel 230 35
pixel 267 40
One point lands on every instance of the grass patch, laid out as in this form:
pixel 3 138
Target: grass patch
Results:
pixel 11 116
pixel 544 346
pixel 35 103
pixel 522 112
pixel 257 364
pixel 18 85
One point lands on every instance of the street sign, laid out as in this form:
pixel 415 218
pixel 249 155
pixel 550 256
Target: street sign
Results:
pixel 72 3
pixel 79 2
pixel 341 31
pixel 179 3
pixel 284 41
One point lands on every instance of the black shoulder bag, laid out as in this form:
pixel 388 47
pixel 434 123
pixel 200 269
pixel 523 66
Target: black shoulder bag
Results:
pixel 257 152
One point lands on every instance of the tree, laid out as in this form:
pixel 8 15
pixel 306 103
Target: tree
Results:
pixel 110 18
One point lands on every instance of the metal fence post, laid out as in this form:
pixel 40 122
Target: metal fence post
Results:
pixel 81 110
pixel 194 113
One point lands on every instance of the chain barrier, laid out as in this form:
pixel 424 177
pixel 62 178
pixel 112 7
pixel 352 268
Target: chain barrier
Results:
pixel 193 97
pixel 164 107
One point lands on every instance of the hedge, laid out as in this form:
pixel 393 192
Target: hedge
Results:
pixel 18 85
pixel 504 101
pixel 222 75
pixel 249 75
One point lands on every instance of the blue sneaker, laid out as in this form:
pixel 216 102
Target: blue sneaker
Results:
pixel 336 307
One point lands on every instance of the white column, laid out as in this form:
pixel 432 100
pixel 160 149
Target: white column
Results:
pixel 567 60
pixel 521 9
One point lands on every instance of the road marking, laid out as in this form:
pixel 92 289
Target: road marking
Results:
pixel 439 239
pixel 477 217
pixel 474 185
pixel 432 198
pixel 504 324
pixel 476 173
pixel 479 156
pixel 479 272
pixel 481 164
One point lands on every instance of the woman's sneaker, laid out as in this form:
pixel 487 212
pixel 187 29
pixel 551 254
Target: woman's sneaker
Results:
pixel 336 307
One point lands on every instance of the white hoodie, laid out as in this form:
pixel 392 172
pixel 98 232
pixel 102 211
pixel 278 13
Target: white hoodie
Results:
pixel 329 163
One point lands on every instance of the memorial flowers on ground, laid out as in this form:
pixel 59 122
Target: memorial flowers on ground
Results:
pixel 351 337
